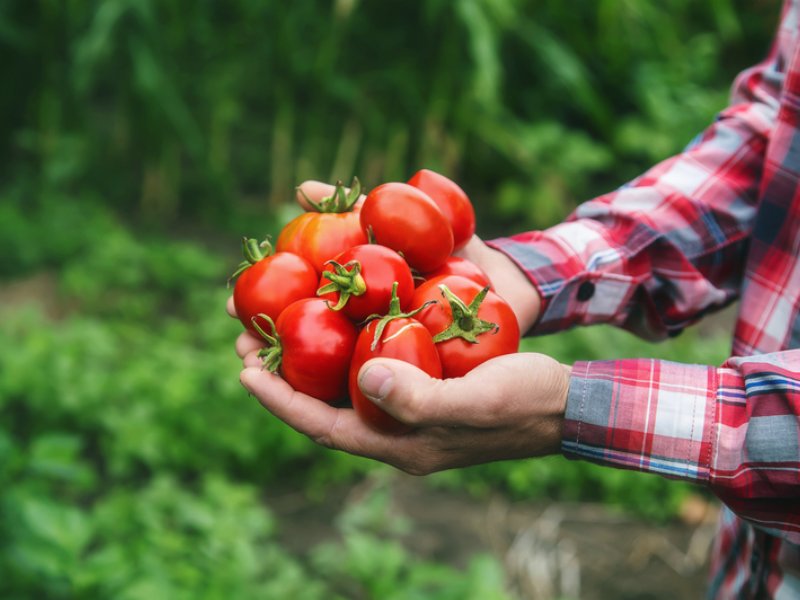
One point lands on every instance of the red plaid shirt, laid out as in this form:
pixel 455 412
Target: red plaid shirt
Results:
pixel 719 222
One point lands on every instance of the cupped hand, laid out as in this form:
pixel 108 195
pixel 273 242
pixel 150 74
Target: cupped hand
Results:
pixel 509 407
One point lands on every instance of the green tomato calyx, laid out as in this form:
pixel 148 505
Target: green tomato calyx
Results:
pixel 395 312
pixel 253 251
pixel 466 324
pixel 346 280
pixel 272 354
pixel 341 201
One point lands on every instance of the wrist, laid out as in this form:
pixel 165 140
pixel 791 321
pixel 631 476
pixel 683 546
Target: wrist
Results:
pixel 550 405
pixel 508 280
pixel 559 405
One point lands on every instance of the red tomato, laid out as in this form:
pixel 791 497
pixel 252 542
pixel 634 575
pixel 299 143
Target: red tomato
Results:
pixel 452 201
pixel 405 219
pixel 334 227
pixel 311 345
pixel 269 283
pixel 359 281
pixel 402 338
pixel 468 329
pixel 455 265
pixel 398 336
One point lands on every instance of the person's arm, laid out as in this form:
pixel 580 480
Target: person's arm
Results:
pixel 658 253
pixel 735 428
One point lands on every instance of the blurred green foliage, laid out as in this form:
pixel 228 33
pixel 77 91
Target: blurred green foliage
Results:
pixel 139 139
pixel 181 110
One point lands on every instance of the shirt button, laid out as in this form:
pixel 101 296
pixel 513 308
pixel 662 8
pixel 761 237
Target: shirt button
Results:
pixel 585 291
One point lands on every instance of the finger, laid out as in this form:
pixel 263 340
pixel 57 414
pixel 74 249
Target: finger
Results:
pixel 230 307
pixel 247 342
pixel 252 359
pixel 414 397
pixel 315 190
pixel 337 428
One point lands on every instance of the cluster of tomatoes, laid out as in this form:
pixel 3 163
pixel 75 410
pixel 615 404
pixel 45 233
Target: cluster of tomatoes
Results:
pixel 365 277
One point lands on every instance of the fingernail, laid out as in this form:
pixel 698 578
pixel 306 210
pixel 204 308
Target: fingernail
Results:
pixel 376 382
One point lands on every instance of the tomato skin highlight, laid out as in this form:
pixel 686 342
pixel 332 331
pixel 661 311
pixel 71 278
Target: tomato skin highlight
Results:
pixel 452 201
pixel 380 268
pixel 272 284
pixel 319 237
pixel 455 265
pixel 404 339
pixel 459 356
pixel 405 219
pixel 317 346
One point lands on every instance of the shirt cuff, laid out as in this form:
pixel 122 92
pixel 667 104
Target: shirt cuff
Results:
pixel 572 292
pixel 642 414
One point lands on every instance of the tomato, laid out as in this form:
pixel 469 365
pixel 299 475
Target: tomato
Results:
pixel 469 324
pixel 267 283
pixel 311 346
pixel 452 201
pixel 398 336
pixel 406 220
pixel 333 227
pixel 455 265
pixel 359 281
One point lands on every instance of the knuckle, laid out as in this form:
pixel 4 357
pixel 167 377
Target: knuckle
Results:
pixel 421 464
pixel 417 470
pixel 323 440
pixel 329 438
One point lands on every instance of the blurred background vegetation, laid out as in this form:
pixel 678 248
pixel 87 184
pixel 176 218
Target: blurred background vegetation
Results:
pixel 139 139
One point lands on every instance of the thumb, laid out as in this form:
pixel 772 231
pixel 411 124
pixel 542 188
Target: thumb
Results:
pixel 408 393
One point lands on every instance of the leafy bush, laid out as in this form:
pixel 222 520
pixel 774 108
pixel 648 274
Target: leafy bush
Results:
pixel 183 110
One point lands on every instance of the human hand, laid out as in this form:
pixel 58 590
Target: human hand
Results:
pixel 509 407
pixel 507 279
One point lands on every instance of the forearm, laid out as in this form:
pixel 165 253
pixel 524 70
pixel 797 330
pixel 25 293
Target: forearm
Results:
pixel 732 428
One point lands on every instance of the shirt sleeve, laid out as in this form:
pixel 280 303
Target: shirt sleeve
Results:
pixel 735 428
pixel 658 253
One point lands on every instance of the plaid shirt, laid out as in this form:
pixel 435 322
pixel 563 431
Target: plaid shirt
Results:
pixel 719 222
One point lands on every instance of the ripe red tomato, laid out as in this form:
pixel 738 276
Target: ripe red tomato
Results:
pixel 405 219
pixel 359 281
pixel 398 336
pixel 470 325
pixel 331 229
pixel 455 265
pixel 452 201
pixel 267 283
pixel 311 345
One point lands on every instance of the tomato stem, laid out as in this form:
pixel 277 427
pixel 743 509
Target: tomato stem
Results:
pixel 466 324
pixel 341 201
pixel 253 251
pixel 395 312
pixel 272 354
pixel 417 276
pixel 346 282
